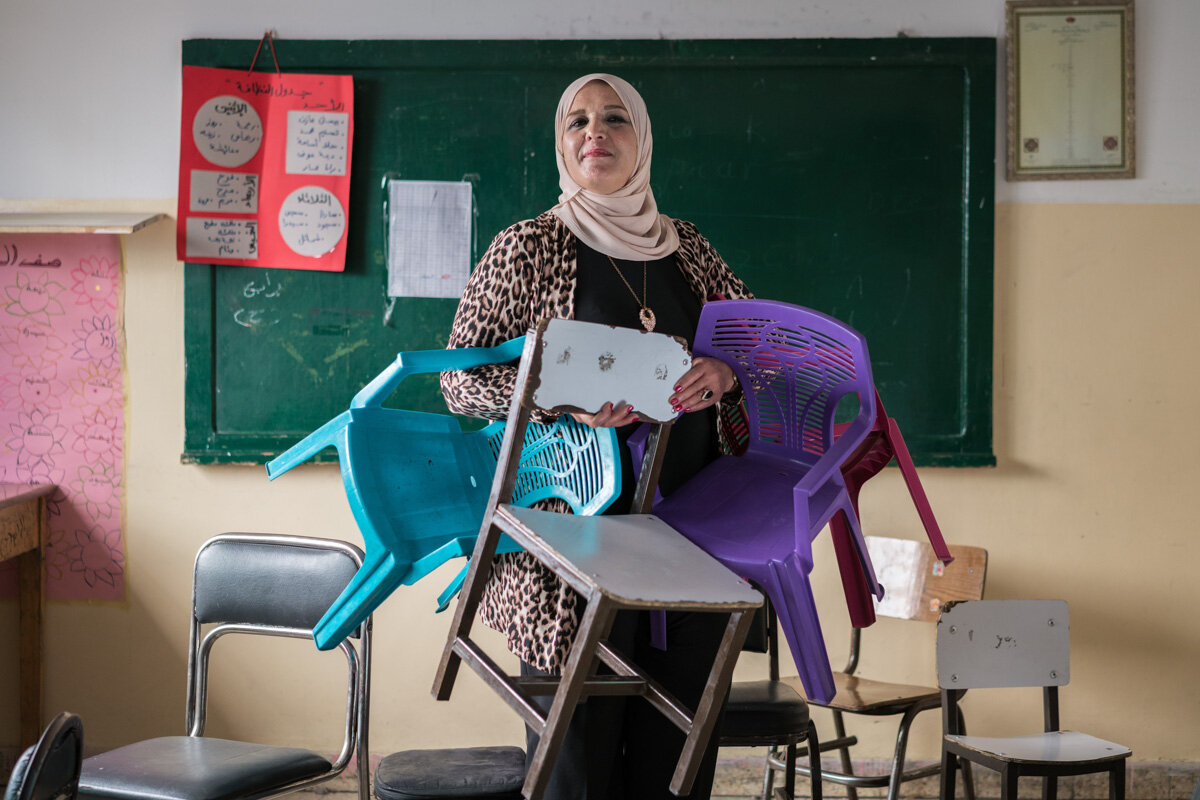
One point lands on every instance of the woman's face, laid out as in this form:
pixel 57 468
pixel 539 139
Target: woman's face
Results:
pixel 599 144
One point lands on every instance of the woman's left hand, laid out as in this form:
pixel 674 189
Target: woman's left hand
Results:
pixel 702 385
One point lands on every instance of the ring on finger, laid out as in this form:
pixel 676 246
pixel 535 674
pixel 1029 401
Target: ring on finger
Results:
pixel 706 394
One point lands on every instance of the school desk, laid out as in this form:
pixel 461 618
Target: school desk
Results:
pixel 23 536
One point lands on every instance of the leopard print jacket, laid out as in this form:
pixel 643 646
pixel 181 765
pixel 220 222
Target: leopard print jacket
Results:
pixel 526 275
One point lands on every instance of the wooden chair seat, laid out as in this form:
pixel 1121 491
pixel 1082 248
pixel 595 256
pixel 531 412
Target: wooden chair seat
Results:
pixel 635 560
pixel 856 695
pixel 1055 747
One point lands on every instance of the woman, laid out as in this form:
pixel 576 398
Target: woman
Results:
pixel 603 254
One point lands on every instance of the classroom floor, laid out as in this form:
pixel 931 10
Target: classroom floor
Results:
pixel 741 779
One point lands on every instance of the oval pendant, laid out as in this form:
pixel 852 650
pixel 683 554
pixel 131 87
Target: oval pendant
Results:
pixel 647 318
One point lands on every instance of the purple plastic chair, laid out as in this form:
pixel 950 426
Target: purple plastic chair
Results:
pixel 758 513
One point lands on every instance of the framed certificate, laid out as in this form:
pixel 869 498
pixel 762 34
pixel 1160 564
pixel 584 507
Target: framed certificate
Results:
pixel 1070 89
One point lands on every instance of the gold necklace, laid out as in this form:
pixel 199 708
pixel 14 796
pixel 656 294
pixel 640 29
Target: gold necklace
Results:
pixel 645 314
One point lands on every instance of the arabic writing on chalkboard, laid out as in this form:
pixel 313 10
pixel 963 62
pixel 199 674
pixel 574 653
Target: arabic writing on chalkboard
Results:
pixel 264 168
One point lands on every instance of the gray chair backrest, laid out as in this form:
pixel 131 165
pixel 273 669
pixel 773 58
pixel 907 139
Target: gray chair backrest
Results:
pixel 287 582
pixel 586 363
pixel 985 644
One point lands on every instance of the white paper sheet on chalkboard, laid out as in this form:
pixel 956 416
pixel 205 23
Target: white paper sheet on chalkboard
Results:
pixel 429 238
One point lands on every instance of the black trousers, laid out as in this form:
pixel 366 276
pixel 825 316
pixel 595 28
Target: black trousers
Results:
pixel 621 748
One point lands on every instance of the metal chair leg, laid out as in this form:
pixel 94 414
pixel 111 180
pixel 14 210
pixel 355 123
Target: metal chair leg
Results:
pixel 949 768
pixel 967 775
pixel 1008 783
pixel 814 761
pixel 839 728
pixel 769 773
pixel 1116 781
pixel 897 775
pixel 789 782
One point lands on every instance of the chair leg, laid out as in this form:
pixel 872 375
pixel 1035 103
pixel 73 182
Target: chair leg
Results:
pixel 789 781
pixel 898 756
pixel 1008 783
pixel 967 775
pixel 792 598
pixel 596 623
pixel 1116 781
pixel 769 773
pixel 949 767
pixel 814 761
pixel 839 729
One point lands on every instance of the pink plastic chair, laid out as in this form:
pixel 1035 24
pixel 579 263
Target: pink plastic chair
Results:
pixel 758 513
pixel 876 451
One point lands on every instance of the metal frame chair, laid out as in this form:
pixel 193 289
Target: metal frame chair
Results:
pixel 919 585
pixel 259 585
pixel 632 561
pixel 987 644
pixel 50 768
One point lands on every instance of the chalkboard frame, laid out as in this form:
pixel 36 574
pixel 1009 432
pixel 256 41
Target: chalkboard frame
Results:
pixel 970 446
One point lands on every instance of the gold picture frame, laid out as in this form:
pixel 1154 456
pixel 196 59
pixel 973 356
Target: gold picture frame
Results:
pixel 1070 89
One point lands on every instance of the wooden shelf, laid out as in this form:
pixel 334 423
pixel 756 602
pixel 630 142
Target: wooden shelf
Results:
pixel 75 223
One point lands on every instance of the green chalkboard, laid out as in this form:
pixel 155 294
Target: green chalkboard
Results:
pixel 854 176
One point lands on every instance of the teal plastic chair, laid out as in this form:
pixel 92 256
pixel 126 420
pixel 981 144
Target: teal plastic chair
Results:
pixel 418 484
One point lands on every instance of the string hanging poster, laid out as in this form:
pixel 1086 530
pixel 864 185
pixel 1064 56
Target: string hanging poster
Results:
pixel 264 168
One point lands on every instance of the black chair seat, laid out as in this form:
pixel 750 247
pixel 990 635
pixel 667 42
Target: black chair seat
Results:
pixel 484 773
pixel 195 768
pixel 763 709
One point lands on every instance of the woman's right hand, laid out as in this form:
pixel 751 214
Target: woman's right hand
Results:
pixel 609 416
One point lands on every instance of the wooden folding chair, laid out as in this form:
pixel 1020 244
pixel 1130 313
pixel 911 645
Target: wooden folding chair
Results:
pixel 620 562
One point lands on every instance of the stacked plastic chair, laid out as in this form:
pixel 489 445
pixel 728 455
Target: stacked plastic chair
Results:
pixel 883 444
pixel 759 512
pixel 418 484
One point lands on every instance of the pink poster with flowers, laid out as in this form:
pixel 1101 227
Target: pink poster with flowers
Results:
pixel 62 403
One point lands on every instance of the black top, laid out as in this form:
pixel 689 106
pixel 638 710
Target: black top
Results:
pixel 601 296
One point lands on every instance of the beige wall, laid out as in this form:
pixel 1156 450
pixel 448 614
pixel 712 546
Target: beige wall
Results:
pixel 1094 422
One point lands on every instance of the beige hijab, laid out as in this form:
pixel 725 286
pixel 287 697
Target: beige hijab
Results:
pixel 625 224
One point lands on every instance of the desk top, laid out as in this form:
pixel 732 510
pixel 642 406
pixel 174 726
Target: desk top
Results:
pixel 12 494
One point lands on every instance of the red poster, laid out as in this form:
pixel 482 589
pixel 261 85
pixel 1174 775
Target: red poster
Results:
pixel 264 168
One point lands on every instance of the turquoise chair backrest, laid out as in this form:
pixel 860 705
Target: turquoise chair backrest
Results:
pixel 418 484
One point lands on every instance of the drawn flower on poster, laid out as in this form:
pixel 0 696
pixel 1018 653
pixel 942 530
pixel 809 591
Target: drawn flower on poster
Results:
pixel 37 437
pixel 96 341
pixel 55 557
pixel 32 388
pixel 30 344
pixel 96 487
pixel 35 297
pixel 42 472
pixel 95 388
pixel 97 554
pixel 94 282
pixel 96 439
pixel 61 406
